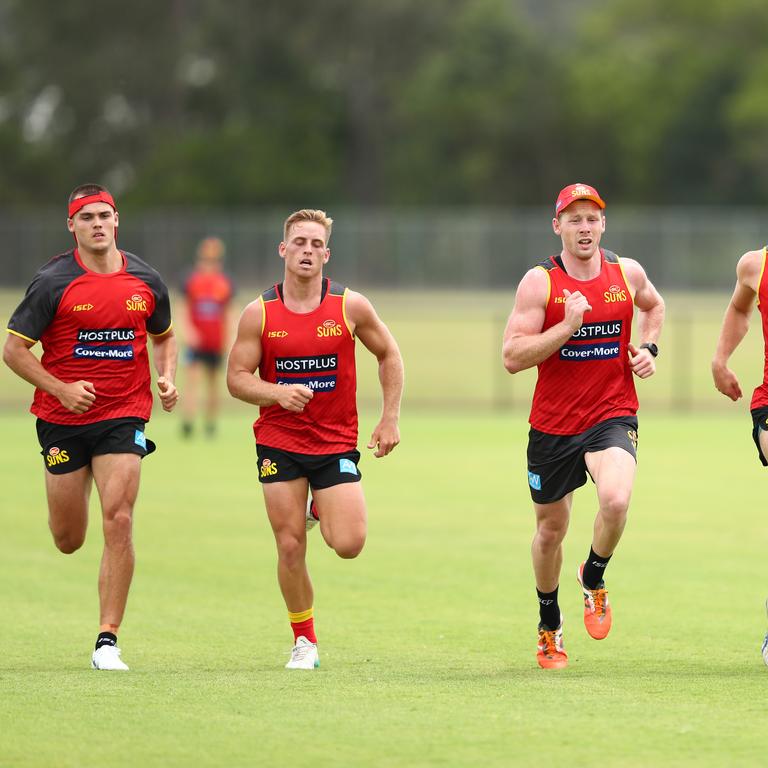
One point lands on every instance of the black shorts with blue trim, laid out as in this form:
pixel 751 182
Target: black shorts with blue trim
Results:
pixel 322 470
pixel 759 424
pixel 69 447
pixel 556 463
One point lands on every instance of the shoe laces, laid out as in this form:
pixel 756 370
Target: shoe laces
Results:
pixel 548 642
pixel 598 598
pixel 300 652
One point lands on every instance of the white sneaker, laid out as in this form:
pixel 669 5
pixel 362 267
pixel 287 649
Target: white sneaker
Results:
pixel 304 655
pixel 312 518
pixel 108 657
pixel 765 642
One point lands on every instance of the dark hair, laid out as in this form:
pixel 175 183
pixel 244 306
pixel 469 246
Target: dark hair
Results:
pixel 86 189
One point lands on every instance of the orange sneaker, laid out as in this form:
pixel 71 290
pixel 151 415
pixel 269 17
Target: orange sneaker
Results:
pixel 597 609
pixel 550 653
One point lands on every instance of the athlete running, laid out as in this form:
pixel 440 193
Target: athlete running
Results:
pixel 300 336
pixel 572 318
pixel 751 286
pixel 92 309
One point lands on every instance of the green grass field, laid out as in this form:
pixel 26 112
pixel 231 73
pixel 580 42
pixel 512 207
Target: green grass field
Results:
pixel 427 640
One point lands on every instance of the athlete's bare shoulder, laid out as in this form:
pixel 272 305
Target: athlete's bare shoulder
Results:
pixel 359 309
pixel 252 316
pixel 749 268
pixel 533 289
pixel 634 271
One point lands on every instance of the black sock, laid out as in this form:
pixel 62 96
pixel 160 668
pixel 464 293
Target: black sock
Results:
pixel 186 429
pixel 549 610
pixel 594 569
pixel 105 638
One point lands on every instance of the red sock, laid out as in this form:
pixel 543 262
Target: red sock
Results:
pixel 304 625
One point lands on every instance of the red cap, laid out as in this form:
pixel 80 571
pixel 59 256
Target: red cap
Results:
pixel 574 192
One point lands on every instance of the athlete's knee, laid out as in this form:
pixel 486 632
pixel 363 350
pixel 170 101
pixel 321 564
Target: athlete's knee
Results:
pixel 349 547
pixel 614 506
pixel 68 541
pixel 290 550
pixel 550 532
pixel 118 525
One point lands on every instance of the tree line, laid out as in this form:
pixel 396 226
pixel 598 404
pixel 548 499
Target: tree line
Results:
pixel 397 103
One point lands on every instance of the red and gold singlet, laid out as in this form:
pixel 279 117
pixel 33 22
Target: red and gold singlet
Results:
pixel 760 395
pixel 316 349
pixel 588 380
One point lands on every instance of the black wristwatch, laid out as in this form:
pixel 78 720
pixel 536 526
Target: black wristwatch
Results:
pixel 651 347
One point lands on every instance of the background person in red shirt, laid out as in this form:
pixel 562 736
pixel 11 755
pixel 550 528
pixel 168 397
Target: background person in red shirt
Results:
pixel 300 336
pixel 92 309
pixel 573 318
pixel 208 293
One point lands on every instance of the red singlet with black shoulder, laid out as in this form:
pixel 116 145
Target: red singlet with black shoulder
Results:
pixel 316 349
pixel 588 380
pixel 93 327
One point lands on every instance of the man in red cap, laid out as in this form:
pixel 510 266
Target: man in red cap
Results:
pixel 92 309
pixel 573 318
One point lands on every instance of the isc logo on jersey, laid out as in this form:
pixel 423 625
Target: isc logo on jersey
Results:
pixel 56 456
pixel 614 294
pixel 268 468
pixel 329 328
pixel 137 303
pixel 276 334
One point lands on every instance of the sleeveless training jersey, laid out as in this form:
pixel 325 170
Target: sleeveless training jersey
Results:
pixel 760 395
pixel 588 380
pixel 316 349
pixel 93 327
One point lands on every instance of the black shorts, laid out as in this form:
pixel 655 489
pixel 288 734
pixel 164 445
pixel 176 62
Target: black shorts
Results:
pixel 211 360
pixel 323 470
pixel 556 463
pixel 69 447
pixel 759 423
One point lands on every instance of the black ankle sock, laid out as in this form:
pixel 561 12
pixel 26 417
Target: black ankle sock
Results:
pixel 594 569
pixel 549 610
pixel 105 638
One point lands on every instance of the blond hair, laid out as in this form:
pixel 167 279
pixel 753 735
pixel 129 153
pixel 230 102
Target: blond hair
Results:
pixel 308 214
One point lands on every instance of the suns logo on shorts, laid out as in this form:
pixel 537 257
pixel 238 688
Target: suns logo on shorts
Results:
pixel 632 434
pixel 268 468
pixel 56 456
pixel 137 303
pixel 328 328
pixel 614 294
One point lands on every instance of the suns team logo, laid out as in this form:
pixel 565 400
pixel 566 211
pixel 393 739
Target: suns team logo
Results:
pixel 328 328
pixel 580 191
pixel 614 294
pixel 137 303
pixel 56 456
pixel 268 468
